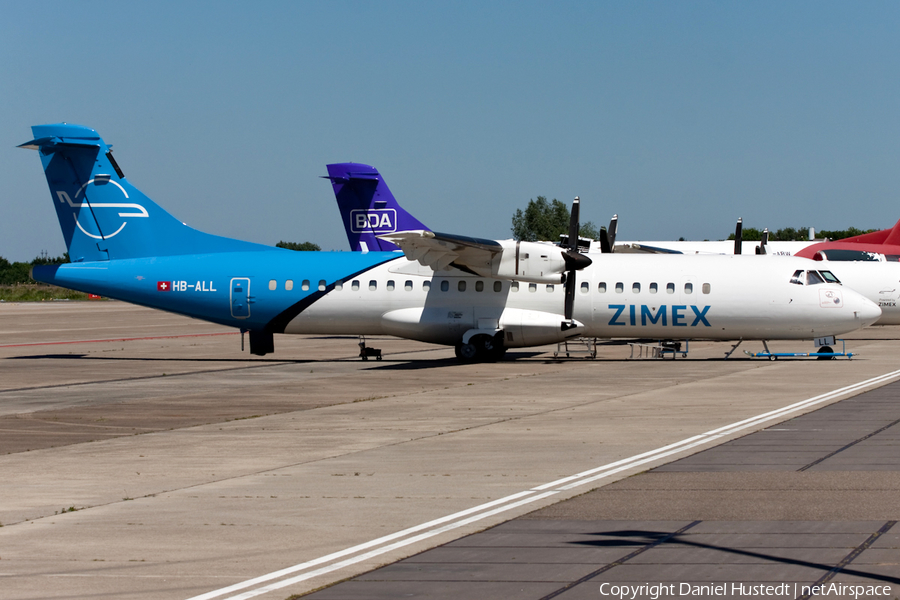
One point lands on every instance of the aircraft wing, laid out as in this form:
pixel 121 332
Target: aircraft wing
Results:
pixel 635 247
pixel 441 250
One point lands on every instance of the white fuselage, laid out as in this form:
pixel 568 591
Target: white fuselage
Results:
pixel 879 281
pixel 775 248
pixel 618 296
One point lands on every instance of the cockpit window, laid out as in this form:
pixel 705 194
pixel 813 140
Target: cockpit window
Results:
pixel 797 277
pixel 813 278
pixel 829 277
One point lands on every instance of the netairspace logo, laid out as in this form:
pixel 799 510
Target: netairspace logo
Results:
pixel 654 591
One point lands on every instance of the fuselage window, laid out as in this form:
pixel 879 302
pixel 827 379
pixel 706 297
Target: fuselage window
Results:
pixel 322 285
pixel 532 287
pixel 813 278
pixel 498 287
pixel 479 286
pixel 514 286
pixel 689 288
pixel 620 287
pixel 461 286
pixel 601 287
pixel 355 285
pixel 445 285
pixel 635 288
pixel 289 284
pixel 829 277
pixel 670 288
pixel 390 285
pixel 706 288
pixel 653 288
pixel 408 285
pixel 304 285
pixel 426 286
pixel 549 287
pixel 338 285
pixel 585 287
pixel 373 285
pixel 797 277
pixel 273 285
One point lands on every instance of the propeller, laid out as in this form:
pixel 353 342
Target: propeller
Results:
pixel 738 238
pixel 575 261
pixel 608 236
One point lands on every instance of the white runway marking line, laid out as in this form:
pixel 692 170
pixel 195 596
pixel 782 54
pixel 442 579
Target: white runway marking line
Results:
pixel 388 543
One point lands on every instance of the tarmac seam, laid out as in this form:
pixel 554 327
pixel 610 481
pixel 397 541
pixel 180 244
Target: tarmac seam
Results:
pixel 853 443
pixel 849 558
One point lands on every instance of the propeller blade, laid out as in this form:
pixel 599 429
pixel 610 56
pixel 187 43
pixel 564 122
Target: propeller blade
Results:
pixel 605 246
pixel 613 226
pixel 570 296
pixel 761 249
pixel 738 238
pixel 573 225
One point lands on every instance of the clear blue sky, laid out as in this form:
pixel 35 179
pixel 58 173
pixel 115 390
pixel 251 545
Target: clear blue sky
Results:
pixel 678 116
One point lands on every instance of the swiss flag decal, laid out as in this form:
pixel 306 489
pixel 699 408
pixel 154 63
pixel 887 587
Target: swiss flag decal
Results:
pixel 163 286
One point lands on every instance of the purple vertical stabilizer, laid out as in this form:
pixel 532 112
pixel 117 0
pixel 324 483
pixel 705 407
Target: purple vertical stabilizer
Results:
pixel 368 207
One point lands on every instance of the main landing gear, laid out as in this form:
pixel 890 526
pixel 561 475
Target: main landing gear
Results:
pixel 482 348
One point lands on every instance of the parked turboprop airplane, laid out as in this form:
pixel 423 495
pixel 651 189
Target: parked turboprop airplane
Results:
pixel 372 215
pixel 501 295
pixel 370 211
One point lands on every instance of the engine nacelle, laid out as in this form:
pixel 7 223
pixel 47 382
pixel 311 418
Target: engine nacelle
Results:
pixel 531 262
pixel 523 328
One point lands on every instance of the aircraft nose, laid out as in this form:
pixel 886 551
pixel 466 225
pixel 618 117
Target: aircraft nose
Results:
pixel 866 311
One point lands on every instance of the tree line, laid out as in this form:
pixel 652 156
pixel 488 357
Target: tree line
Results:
pixel 546 220
pixel 18 272
pixel 800 234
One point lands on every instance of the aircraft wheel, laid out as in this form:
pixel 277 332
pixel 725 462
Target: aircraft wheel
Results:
pixel 489 348
pixel 466 352
pixel 825 349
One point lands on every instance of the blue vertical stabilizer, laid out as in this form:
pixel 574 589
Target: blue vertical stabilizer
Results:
pixel 368 208
pixel 103 216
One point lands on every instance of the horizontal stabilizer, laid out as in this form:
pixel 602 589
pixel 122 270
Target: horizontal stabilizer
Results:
pixel 348 177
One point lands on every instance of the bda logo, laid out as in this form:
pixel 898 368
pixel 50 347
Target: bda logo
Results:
pixel 375 220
